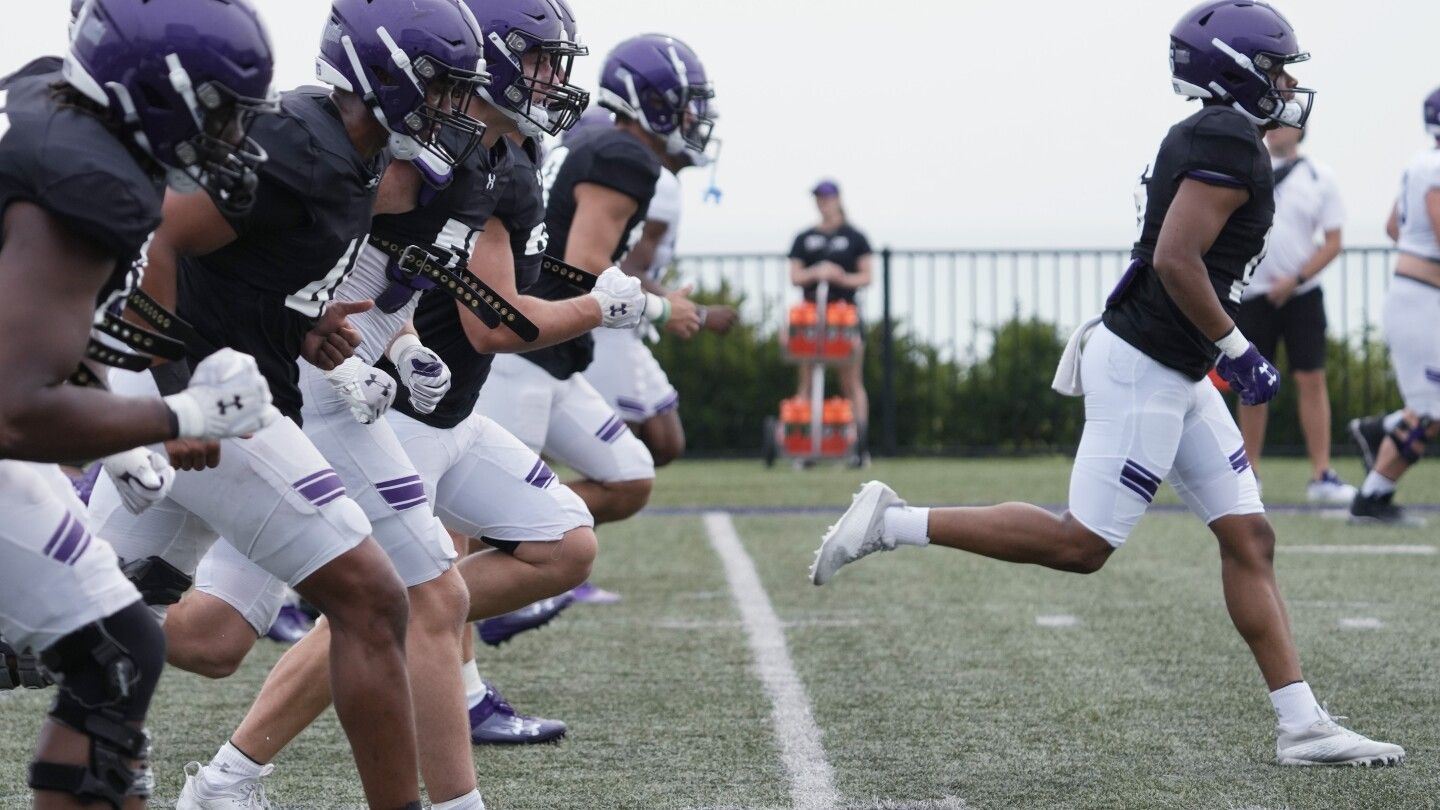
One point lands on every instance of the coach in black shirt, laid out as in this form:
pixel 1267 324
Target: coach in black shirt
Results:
pixel 839 255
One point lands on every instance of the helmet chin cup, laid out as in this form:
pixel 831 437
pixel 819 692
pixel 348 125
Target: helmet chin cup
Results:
pixel 404 147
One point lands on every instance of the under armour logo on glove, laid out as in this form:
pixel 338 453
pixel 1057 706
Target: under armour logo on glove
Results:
pixel 617 310
pixel 368 391
pixel 226 406
pixel 375 379
pixel 1250 375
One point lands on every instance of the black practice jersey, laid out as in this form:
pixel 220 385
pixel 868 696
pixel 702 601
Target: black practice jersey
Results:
pixel 1217 145
pixel 262 293
pixel 68 163
pixel 437 316
pixel 844 247
pixel 607 157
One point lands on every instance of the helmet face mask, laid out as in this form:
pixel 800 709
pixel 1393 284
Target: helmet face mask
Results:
pixel 1238 51
pixel 1432 114
pixel 185 82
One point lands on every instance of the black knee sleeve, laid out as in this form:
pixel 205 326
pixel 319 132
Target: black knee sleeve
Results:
pixel 1410 439
pixel 107 672
pixel 503 546
pixel 158 582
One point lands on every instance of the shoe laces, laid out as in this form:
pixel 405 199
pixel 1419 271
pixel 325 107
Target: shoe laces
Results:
pixel 255 791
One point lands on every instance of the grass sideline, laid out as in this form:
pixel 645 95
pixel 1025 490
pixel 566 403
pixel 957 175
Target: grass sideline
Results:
pixel 929 677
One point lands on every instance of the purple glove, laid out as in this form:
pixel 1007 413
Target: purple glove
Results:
pixel 1250 375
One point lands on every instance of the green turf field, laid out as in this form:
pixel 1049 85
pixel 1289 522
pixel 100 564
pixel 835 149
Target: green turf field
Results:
pixel 936 680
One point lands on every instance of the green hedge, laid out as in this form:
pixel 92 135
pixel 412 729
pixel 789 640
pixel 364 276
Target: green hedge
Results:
pixel 1000 403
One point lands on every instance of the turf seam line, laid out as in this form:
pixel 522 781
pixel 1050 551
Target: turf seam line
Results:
pixel 812 780
pixel 1159 508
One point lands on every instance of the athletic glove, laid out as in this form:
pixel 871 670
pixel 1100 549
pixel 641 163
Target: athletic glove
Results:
pixel 142 477
pixel 227 397
pixel 621 298
pixel 1246 370
pixel 422 371
pixel 367 390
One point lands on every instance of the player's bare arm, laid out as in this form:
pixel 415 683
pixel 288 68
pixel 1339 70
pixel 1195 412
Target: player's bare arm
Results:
pixel 642 255
pixel 1196 216
pixel 40 418
pixel 494 263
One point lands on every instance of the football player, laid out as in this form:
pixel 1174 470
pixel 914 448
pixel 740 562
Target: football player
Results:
pixel 264 282
pixel 1393 443
pixel 598 187
pixel 82 173
pixel 1151 414
pixel 624 370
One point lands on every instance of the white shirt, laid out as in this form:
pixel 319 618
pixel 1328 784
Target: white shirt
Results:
pixel 664 207
pixel 1417 236
pixel 1307 205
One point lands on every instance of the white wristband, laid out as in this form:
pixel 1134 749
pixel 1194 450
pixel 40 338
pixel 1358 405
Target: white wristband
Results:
pixel 1234 344
pixel 189 419
pixel 400 345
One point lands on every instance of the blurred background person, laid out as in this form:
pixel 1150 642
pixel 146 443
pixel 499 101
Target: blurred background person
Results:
pixel 1284 301
pixel 839 255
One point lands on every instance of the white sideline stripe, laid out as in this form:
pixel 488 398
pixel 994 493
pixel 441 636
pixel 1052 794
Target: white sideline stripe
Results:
pixel 812 781
pixel 1057 620
pixel 1391 550
pixel 1359 623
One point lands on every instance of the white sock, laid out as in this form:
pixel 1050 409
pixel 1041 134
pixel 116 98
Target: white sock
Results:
pixel 470 801
pixel 1376 484
pixel 909 525
pixel 1392 421
pixel 229 767
pixel 1295 706
pixel 474 686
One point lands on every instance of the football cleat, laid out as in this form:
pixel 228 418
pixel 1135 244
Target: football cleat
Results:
pixel 591 594
pixel 1369 434
pixel 502 628
pixel 1326 742
pixel 1380 510
pixel 198 794
pixel 493 721
pixel 858 533
pixel 1330 490
pixel 290 625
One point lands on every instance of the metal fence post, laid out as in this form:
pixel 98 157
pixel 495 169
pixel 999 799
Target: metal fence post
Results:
pixel 887 393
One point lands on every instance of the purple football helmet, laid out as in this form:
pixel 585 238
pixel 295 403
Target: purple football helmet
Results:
pixel 1432 113
pixel 416 64
pixel 535 93
pixel 660 83
pixel 1235 51
pixel 185 80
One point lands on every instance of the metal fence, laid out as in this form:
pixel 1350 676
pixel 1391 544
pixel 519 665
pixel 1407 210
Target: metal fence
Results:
pixel 955 300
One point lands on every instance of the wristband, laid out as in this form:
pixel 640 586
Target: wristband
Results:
pixel 703 313
pixel 657 309
pixel 185 416
pixel 1234 344
pixel 400 345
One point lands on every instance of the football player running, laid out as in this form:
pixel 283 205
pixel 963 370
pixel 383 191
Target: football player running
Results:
pixel 1394 443
pixel 82 173
pixel 598 186
pixel 264 281
pixel 624 369
pixel 1151 414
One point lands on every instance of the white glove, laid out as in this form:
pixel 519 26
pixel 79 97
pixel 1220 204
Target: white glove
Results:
pixel 422 371
pixel 227 397
pixel 367 390
pixel 142 477
pixel 621 299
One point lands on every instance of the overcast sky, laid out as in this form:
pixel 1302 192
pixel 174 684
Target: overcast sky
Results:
pixel 955 124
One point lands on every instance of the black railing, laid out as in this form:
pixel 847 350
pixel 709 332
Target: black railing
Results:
pixel 956 302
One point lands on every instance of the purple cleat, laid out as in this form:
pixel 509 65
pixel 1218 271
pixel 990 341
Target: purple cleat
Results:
pixel 493 721
pixel 501 629
pixel 591 594
pixel 290 625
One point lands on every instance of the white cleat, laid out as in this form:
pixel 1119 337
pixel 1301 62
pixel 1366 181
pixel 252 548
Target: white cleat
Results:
pixel 858 532
pixel 199 794
pixel 1330 491
pixel 1326 742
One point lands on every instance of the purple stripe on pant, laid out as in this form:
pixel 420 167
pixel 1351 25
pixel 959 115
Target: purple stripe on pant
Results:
pixel 321 488
pixel 403 493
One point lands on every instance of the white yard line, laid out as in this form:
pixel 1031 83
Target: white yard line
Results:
pixel 1056 620
pixel 1361 623
pixel 1377 549
pixel 812 781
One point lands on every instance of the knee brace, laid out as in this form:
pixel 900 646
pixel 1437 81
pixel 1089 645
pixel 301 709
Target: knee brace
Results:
pixel 21 668
pixel 1410 438
pixel 106 672
pixel 158 582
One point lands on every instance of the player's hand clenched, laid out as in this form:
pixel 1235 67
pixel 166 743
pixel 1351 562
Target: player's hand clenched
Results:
pixel 367 390
pixel 143 478
pixel 684 320
pixel 227 397
pixel 423 372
